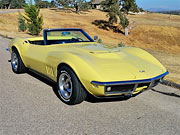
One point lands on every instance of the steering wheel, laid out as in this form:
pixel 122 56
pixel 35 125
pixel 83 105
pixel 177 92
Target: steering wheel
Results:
pixel 80 39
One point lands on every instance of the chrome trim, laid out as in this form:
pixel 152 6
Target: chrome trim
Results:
pixel 151 84
pixel 118 92
pixel 135 87
pixel 42 75
pixel 14 61
pixel 130 81
pixel 65 86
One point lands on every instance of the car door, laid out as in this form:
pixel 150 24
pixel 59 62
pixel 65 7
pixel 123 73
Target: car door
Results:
pixel 36 57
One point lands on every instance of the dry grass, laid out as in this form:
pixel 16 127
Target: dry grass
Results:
pixel 156 19
pixel 153 31
pixel 171 62
pixel 158 33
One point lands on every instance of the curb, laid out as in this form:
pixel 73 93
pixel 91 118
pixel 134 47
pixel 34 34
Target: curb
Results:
pixel 171 84
pixel 6 36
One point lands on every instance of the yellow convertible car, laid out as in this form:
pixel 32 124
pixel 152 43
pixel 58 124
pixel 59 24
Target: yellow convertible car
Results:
pixel 79 65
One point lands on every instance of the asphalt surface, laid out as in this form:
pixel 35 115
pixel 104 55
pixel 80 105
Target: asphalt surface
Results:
pixel 7 11
pixel 28 105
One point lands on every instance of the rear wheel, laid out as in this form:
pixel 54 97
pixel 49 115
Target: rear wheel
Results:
pixel 69 88
pixel 17 63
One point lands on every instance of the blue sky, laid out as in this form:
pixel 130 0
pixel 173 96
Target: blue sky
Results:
pixel 158 4
pixel 161 4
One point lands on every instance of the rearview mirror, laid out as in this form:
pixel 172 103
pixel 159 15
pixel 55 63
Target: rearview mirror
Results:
pixel 66 33
pixel 95 37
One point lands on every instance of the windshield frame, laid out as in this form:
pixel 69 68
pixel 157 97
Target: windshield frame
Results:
pixel 45 31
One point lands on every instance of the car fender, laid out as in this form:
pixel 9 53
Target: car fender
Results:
pixel 18 44
pixel 81 67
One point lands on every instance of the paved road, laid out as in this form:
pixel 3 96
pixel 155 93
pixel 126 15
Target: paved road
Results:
pixel 7 11
pixel 29 106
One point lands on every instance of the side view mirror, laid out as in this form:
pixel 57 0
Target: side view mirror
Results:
pixel 95 37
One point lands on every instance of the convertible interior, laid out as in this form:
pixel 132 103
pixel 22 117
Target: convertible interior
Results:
pixel 61 37
pixel 62 41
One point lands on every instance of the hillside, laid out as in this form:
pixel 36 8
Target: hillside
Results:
pixel 172 12
pixel 152 31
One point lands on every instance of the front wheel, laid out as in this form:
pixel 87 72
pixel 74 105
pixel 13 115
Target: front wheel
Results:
pixel 69 88
pixel 17 63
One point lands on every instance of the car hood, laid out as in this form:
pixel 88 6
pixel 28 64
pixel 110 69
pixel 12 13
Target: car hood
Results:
pixel 114 64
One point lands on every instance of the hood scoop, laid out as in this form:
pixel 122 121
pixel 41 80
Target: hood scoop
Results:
pixel 101 52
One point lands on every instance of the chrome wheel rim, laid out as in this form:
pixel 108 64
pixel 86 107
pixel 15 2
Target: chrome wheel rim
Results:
pixel 65 86
pixel 14 61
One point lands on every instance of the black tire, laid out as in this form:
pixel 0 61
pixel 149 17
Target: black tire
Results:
pixel 20 68
pixel 78 93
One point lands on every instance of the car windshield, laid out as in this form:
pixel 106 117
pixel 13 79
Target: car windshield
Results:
pixel 66 36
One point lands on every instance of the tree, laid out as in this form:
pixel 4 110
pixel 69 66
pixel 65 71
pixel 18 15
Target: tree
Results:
pixel 115 13
pixel 1 4
pixel 53 4
pixel 12 3
pixel 47 4
pixel 18 3
pixel 77 4
pixel 37 1
pixel 6 4
pixel 33 19
pixel 112 7
pixel 124 22
pixel 141 9
pixel 128 5
pixel 63 3
pixel 43 4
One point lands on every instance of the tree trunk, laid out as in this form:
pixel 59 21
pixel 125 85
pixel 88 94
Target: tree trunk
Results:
pixel 77 9
pixel 9 6
pixel 126 31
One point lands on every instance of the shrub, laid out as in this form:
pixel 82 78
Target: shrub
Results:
pixel 99 41
pixel 21 23
pixel 33 19
pixel 121 44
